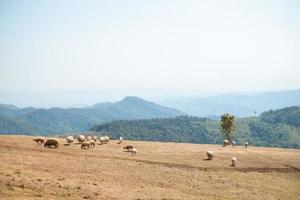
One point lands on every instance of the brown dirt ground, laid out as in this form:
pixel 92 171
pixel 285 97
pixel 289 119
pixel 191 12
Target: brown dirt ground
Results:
pixel 158 171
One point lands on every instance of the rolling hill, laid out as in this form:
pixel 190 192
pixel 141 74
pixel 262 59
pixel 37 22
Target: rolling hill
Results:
pixel 279 128
pixel 14 120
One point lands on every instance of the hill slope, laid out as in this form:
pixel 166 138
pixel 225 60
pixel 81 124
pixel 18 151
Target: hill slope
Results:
pixel 259 131
pixel 158 171
pixel 57 120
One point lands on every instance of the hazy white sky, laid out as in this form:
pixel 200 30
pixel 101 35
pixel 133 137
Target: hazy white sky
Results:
pixel 205 46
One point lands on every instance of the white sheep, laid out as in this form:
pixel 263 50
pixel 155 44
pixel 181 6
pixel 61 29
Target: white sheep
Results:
pixel 210 155
pixel 233 143
pixel 226 142
pixel 234 161
pixel 120 140
pixel 70 139
pixel 95 138
pixel 92 143
pixel 246 144
pixel 88 138
pixel 104 139
pixel 81 138
pixel 133 151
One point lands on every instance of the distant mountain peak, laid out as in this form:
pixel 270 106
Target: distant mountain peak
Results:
pixel 132 98
pixel 59 120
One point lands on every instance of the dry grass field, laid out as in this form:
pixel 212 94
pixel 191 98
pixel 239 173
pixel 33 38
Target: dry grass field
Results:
pixel 158 171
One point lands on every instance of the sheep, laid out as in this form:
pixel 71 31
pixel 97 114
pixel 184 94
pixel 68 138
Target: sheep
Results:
pixel 133 151
pixel 226 142
pixel 210 155
pixel 81 138
pixel 104 139
pixel 51 142
pixel 88 138
pixel 95 138
pixel 246 144
pixel 120 140
pixel 85 145
pixel 107 139
pixel 233 143
pixel 128 147
pixel 233 160
pixel 70 139
pixel 39 140
pixel 92 143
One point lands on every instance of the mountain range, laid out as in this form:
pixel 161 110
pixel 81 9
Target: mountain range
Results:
pixel 138 119
pixel 237 104
pixel 14 120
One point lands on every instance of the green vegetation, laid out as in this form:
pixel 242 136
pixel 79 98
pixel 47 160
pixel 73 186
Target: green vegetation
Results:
pixel 180 129
pixel 256 130
pixel 32 121
pixel 289 115
pixel 227 126
pixel 136 119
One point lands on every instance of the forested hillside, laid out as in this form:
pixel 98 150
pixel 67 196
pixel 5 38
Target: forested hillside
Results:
pixel 290 116
pixel 137 119
pixel 31 121
pixel 259 131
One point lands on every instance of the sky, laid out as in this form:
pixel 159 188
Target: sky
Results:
pixel 167 47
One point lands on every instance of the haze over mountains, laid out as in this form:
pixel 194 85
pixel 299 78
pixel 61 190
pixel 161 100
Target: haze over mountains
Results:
pixel 30 120
pixel 236 104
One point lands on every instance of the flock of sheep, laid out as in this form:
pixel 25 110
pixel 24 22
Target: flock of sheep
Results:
pixel 85 141
pixel 90 142
pixel 210 154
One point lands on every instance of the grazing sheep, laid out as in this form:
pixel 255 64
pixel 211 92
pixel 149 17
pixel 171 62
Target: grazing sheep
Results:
pixel 128 147
pixel 226 142
pixel 85 145
pixel 70 139
pixel 104 139
pixel 233 143
pixel 120 140
pixel 246 144
pixel 51 142
pixel 95 138
pixel 88 138
pixel 233 160
pixel 92 143
pixel 81 138
pixel 133 151
pixel 39 140
pixel 210 155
